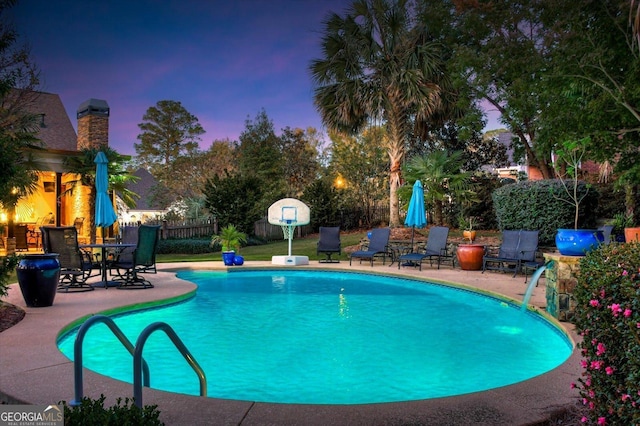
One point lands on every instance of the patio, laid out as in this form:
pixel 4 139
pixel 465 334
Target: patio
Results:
pixel 33 371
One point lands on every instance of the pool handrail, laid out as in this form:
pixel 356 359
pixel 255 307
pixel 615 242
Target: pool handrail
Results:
pixel 138 361
pixel 77 353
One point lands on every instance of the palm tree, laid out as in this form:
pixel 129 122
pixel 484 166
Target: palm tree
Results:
pixel 18 130
pixel 442 179
pixel 84 167
pixel 378 66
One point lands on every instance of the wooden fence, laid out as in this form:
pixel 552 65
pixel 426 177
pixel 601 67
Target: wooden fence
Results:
pixel 201 228
pixel 183 229
pixel 269 232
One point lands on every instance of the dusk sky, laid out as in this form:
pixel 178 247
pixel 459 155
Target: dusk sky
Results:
pixel 223 60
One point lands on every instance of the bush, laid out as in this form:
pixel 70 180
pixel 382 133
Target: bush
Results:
pixel 607 316
pixel 483 211
pixel 538 205
pixel 93 412
pixel 7 266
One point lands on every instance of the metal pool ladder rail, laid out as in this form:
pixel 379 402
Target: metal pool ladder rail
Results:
pixel 140 366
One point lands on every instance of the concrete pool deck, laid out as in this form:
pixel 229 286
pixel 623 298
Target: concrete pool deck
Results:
pixel 33 371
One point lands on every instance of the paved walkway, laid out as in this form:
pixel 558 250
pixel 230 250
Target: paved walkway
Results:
pixel 32 370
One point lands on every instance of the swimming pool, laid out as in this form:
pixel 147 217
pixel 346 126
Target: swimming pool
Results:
pixel 301 336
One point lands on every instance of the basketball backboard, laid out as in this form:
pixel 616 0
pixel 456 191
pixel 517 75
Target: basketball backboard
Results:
pixel 289 211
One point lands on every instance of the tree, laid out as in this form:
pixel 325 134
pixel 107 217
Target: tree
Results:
pixel 378 65
pixel 299 150
pixel 596 67
pixel 441 179
pixel 219 157
pixel 501 56
pixel 322 198
pixel 258 153
pixel 259 156
pixel 235 200
pixel 169 133
pixel 84 166
pixel 361 164
pixel 19 78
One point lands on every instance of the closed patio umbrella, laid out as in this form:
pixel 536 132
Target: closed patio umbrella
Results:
pixel 105 215
pixel 416 216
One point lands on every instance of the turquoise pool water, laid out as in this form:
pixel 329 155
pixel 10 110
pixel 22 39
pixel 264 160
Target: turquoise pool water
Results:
pixel 321 337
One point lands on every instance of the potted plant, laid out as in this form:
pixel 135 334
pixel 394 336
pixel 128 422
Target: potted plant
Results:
pixel 230 238
pixel 574 242
pixel 631 232
pixel 620 222
pixel 466 224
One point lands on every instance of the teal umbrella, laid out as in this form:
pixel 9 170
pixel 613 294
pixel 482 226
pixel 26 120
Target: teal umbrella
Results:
pixel 416 216
pixel 105 215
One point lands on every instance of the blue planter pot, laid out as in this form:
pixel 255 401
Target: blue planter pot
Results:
pixel 577 242
pixel 38 276
pixel 227 257
pixel 238 260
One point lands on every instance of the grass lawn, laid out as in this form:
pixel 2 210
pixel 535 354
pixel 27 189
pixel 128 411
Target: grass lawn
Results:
pixel 299 247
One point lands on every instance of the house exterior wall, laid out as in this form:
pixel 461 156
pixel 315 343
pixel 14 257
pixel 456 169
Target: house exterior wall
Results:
pixel 60 141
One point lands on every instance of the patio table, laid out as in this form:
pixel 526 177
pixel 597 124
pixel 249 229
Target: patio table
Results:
pixel 103 261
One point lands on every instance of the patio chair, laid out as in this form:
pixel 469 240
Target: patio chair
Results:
pixel 436 247
pixel 378 246
pixel 76 265
pixel 20 233
pixel 517 248
pixel 142 260
pixel 329 243
pixel 129 235
pixel 606 233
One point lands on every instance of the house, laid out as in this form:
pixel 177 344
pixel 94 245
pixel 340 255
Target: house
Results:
pixel 146 209
pixel 46 205
pixel 515 170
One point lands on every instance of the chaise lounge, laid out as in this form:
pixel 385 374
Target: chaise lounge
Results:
pixel 378 246
pixel 517 248
pixel 436 247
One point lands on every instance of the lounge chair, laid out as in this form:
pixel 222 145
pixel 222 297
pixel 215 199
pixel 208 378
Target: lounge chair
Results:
pixel 329 243
pixel 436 247
pixel 517 248
pixel 378 246
pixel 76 266
pixel 606 233
pixel 142 260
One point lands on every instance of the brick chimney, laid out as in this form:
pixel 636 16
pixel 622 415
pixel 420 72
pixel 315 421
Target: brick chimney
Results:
pixel 93 124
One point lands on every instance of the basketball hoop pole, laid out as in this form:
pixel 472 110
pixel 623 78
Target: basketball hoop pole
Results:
pixel 287 230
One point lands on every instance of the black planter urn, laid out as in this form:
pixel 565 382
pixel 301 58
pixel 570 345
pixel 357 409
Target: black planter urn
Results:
pixel 38 276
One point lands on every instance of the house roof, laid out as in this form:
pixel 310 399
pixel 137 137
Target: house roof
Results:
pixel 56 131
pixel 144 188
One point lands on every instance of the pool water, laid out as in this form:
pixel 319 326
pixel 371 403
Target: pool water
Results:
pixel 322 337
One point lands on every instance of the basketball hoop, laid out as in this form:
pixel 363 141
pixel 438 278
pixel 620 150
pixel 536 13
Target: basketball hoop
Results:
pixel 287 229
pixel 289 213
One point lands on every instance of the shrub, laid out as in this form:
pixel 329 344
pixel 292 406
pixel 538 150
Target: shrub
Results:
pixel 483 211
pixel 607 316
pixel 7 266
pixel 93 412
pixel 538 205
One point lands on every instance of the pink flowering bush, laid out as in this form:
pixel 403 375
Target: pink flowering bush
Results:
pixel 608 319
